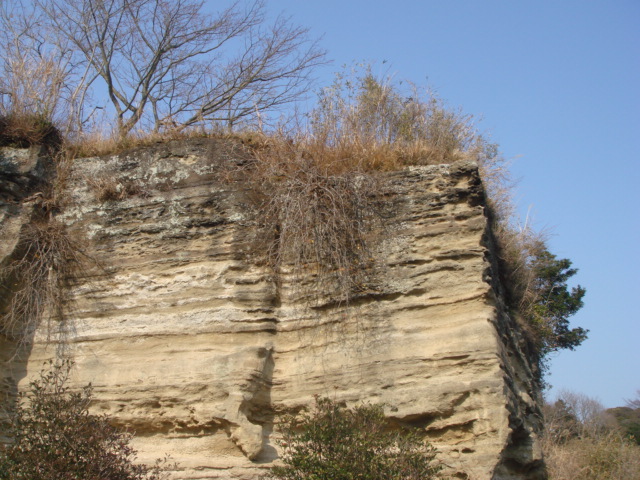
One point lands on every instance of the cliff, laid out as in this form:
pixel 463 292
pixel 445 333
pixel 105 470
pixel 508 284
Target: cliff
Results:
pixel 193 343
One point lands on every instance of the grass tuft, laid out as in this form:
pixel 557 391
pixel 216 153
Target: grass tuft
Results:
pixel 23 131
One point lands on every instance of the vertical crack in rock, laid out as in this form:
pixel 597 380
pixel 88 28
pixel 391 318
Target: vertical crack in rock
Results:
pixel 255 402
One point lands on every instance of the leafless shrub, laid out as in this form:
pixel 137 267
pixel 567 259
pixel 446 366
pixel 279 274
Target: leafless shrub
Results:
pixel 35 280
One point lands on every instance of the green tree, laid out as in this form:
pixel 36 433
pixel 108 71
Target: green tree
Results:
pixel 629 421
pixel 554 303
pixel 338 443
pixel 54 437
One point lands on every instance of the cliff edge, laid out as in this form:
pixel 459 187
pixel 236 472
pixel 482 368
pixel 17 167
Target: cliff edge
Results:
pixel 191 342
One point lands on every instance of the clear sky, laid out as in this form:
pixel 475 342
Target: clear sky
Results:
pixel 557 83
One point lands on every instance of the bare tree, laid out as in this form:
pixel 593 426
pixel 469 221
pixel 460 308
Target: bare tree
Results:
pixel 172 64
pixel 37 75
pixel 590 416
pixel 634 402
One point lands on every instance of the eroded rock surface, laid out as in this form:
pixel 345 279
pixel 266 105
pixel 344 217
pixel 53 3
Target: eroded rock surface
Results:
pixel 195 347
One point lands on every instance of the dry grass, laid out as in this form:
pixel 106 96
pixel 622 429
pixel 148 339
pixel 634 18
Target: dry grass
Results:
pixel 381 126
pixel 37 77
pixel 316 181
pixel 23 131
pixel 108 187
pixel 99 144
pixel 609 457
pixel 582 441
pixel 517 246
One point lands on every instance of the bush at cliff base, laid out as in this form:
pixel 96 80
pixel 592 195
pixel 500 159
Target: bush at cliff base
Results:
pixel 339 443
pixel 54 437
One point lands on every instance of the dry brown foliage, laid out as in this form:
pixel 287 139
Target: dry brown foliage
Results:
pixel 108 187
pixel 99 144
pixel 317 180
pixel 316 213
pixel 384 126
pixel 517 245
pixel 315 183
pixel 582 441
pixel 23 131
pixel 36 280
pixel 608 457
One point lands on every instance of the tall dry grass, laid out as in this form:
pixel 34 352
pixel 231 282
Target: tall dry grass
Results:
pixel 375 123
pixel 609 456
pixel 38 77
pixel 582 441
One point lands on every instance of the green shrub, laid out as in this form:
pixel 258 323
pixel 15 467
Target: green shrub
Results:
pixel 338 443
pixel 54 437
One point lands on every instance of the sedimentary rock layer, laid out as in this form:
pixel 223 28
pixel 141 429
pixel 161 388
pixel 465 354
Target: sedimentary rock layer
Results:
pixel 190 342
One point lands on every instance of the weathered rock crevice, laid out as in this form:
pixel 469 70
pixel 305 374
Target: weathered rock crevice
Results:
pixel 193 344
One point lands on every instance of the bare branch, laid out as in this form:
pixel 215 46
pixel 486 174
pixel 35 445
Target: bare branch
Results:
pixel 164 62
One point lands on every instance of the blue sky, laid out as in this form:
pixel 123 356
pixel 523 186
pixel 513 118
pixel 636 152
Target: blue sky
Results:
pixel 557 83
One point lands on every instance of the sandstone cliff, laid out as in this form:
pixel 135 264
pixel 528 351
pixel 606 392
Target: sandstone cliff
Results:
pixel 195 346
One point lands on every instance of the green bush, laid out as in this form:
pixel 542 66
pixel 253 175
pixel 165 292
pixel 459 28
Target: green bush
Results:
pixel 629 421
pixel 54 437
pixel 338 443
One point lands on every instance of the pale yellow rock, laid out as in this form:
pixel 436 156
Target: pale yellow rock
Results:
pixel 191 345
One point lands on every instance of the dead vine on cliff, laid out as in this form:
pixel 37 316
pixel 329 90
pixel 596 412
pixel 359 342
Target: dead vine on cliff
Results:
pixel 36 280
pixel 316 220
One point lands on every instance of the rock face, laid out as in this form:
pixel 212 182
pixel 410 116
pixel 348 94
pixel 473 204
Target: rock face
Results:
pixel 193 345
